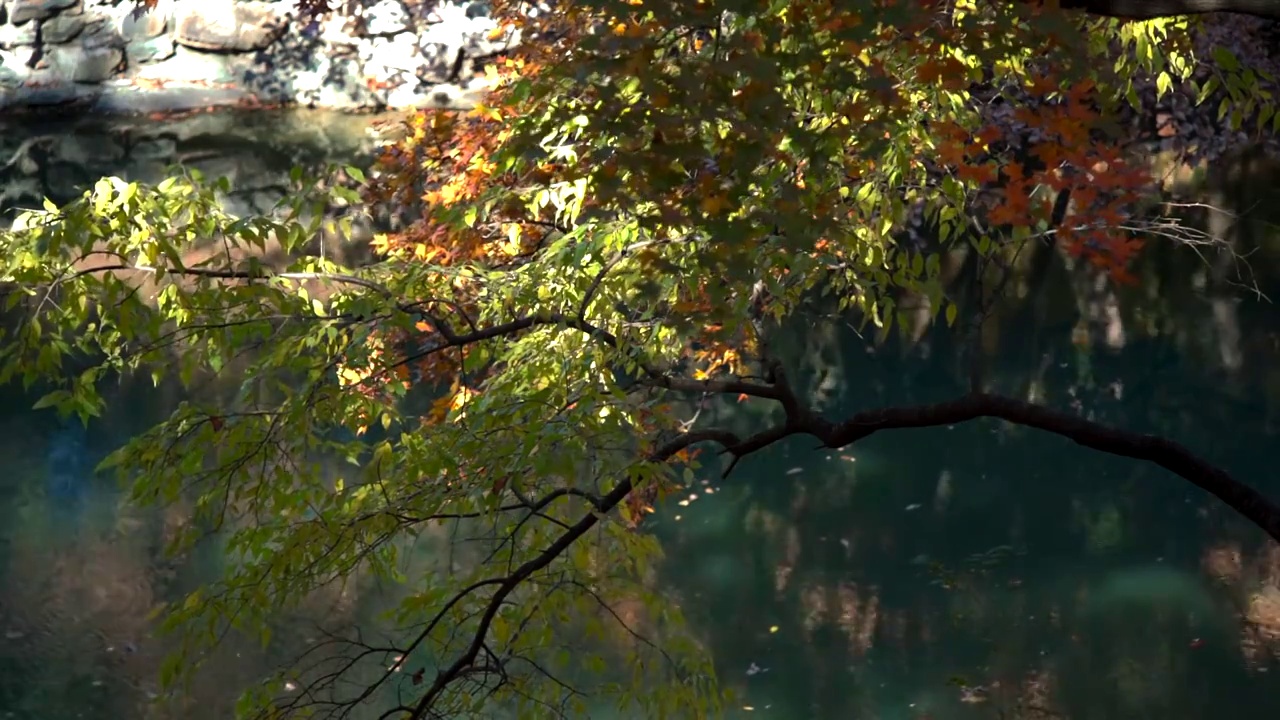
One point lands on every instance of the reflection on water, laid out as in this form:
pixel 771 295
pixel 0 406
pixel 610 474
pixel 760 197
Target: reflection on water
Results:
pixel 1085 586
pixel 986 571
pixel 82 572
pixel 78 581
pixel 980 571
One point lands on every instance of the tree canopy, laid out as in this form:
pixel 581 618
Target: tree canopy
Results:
pixel 610 243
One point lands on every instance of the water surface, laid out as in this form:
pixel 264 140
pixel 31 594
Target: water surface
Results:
pixel 977 571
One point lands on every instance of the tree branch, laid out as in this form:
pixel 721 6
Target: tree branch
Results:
pixel 545 558
pixel 224 274
pixel 1148 9
pixel 1166 453
pixel 655 377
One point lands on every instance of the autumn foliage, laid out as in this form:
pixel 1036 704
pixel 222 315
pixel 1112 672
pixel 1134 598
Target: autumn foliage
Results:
pixel 613 242
pixel 914 134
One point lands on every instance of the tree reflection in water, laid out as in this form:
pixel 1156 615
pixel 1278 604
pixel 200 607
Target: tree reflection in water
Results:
pixel 970 572
pixel 988 572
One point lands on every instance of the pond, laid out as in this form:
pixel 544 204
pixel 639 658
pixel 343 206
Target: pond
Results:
pixel 986 571
pixel 978 571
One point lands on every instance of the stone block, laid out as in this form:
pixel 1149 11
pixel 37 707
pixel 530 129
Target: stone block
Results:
pixel 62 28
pixel 21 11
pixel 12 36
pixel 140 26
pixel 86 64
pixel 191 66
pixel 227 26
pixel 150 50
pixel 100 32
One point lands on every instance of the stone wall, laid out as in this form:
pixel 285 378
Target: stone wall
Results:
pixel 112 56
pixel 59 156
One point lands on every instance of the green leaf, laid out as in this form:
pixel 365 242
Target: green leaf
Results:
pixel 1209 87
pixel 49 400
pixel 1225 59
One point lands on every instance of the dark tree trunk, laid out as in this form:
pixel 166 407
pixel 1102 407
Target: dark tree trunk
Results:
pixel 1147 9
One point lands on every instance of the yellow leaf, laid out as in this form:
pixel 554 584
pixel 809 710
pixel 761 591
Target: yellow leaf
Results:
pixel 714 204
pixel 349 376
pixel 461 398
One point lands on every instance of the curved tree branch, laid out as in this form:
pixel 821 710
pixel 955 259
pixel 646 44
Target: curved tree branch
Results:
pixel 545 558
pixel 800 419
pixel 1149 9
pixel 1170 455
pixel 1166 453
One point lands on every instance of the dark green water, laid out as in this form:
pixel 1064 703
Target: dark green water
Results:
pixel 986 571
pixel 872 582
pixel 979 571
